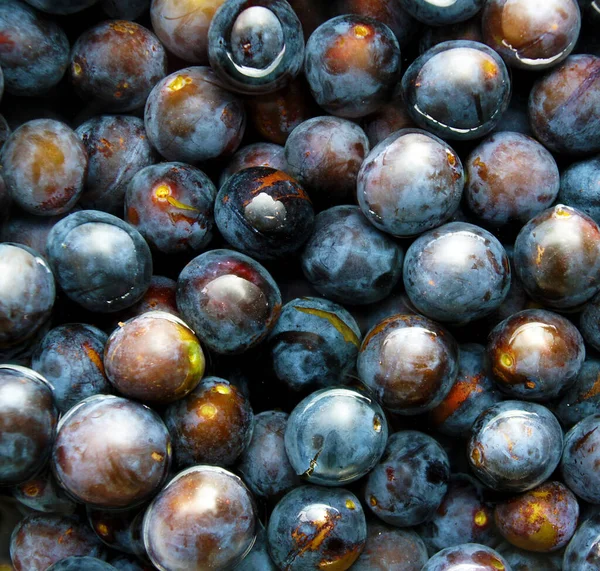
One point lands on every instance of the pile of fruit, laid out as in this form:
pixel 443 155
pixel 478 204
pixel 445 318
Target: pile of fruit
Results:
pixel 300 286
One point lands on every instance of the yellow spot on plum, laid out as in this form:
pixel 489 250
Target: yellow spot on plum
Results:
pixel 506 360
pixel 179 82
pixel 350 504
pixel 222 389
pixel 102 529
pixel 157 457
pixel 208 410
pixel 347 333
pixel 377 423
pixel 480 518
pixel 361 31
pixel 77 69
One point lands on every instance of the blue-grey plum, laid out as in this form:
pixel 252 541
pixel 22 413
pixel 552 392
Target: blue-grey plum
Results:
pixel 316 528
pixel 99 261
pixel 438 13
pixel 499 455
pixel 335 436
pixel 471 556
pixel 264 464
pixel 258 558
pixel 580 187
pixel 583 551
pixel 409 484
pixel 409 183
pixel 81 564
pixel 43 494
pixel 582 399
pixel 204 518
pixel 522 560
pixel 314 343
pixel 229 300
pixel 120 530
pixel 348 260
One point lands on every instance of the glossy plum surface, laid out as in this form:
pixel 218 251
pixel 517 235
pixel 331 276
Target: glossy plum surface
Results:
pixel 472 556
pixel 580 187
pixel 255 155
pixel 583 551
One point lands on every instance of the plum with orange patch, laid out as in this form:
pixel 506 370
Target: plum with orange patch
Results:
pixel 582 399
pixel 471 556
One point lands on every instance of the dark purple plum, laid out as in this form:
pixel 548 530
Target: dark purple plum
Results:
pixel 581 457
pixel 471 556
pixel 557 257
pixel 204 518
pixel 324 154
pixel 27 293
pixel 160 296
pixel 28 420
pixel 117 63
pixel 40 540
pixel 409 484
pixel 264 212
pixel 99 261
pixel 511 178
pixel 317 528
pixel 111 452
pixel 388 119
pixel 348 260
pixel 256 46
pixel 583 551
pixel 367 316
pixel 563 106
pixel 409 362
pixel 34 53
pixel 182 26
pixel 499 455
pixel 211 425
pixel 229 300
pixel 543 519
pixel 409 183
pixel 125 9
pixel 70 358
pixel 171 205
pixel 352 65
pixel 190 117
pixel 43 494
pixel 466 30
pixel 335 436
pixel 264 464
pixel 531 37
pixel 582 399
pixel 117 149
pixel 44 165
pixel 472 393
pixel 457 89
pixel 580 187
pixel 535 354
pixel 314 343
pixel 456 273
pixel 154 358
pixel 255 155
pixel 120 530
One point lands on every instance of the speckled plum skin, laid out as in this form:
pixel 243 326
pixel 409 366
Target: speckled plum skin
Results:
pixel 453 104
pixel 543 519
pixel 61 6
pixel 117 63
pixel 531 35
pixel 580 187
pixel 104 438
pixel 117 148
pixel 189 117
pixel 264 212
pixel 264 463
pixel 535 354
pixel 442 13
pixel 471 394
pixel 511 178
pixel 43 494
pixel 203 519
pixel 563 104
pixel 31 71
pixel 314 527
pixel 557 257
pixel 182 27
pixel 583 551
pixel 256 48
pixel 70 358
pixel 255 155
pixel 335 436
pixel 154 357
pixel 391 548
pixel 409 483
pixel 40 540
pixel 581 455
pixel 352 64
pixel 324 154
pixel 27 293
pixel 314 343
pixel 583 397
pixel 44 165
pixel 409 183
pixel 171 205
pixel 409 362
pixel 208 297
pixel 499 455
pixel 472 556
pixel 463 516
pixel 522 560
pixel 456 273
pixel 99 261
pixel 348 260
pixel 78 563
pixel 28 420
pixel 211 425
